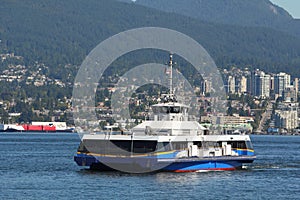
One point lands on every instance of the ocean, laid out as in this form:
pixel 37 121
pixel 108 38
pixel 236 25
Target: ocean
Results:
pixel 41 166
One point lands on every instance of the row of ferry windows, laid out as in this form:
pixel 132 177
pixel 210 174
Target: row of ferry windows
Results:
pixel 167 109
pixel 123 147
pixel 234 144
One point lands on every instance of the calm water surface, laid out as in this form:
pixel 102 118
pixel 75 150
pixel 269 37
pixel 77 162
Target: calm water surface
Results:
pixel 40 166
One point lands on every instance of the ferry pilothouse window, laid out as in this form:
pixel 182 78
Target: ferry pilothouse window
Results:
pixel 175 109
pixel 155 110
pixel 167 109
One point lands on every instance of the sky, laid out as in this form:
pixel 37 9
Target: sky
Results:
pixel 292 6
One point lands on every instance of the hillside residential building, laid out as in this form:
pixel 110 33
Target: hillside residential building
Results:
pixel 281 82
pixel 286 117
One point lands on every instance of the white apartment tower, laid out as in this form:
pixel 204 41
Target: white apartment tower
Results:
pixel 231 84
pixel 260 84
pixel 281 82
pixel 243 85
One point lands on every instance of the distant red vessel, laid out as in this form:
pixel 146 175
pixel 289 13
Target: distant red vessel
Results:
pixel 37 127
pixel 29 127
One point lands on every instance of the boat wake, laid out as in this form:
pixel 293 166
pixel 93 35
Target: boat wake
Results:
pixel 272 167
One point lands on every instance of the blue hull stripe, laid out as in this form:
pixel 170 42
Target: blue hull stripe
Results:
pixel 197 166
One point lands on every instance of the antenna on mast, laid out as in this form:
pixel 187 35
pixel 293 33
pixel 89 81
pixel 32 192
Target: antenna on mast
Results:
pixel 170 64
pixel 170 97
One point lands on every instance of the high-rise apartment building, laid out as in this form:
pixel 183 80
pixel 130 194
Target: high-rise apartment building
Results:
pixel 281 82
pixel 260 84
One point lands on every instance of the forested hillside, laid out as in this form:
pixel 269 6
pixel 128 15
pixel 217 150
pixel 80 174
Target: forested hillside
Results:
pixel 261 13
pixel 61 32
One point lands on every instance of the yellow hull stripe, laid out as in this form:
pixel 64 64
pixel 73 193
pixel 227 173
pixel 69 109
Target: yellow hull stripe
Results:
pixel 251 150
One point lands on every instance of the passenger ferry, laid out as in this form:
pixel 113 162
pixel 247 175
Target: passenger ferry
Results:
pixel 170 141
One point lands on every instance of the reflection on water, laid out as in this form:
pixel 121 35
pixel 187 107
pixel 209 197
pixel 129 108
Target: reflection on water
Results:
pixel 188 178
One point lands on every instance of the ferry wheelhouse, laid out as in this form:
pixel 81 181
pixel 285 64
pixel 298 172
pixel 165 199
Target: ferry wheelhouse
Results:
pixel 169 141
